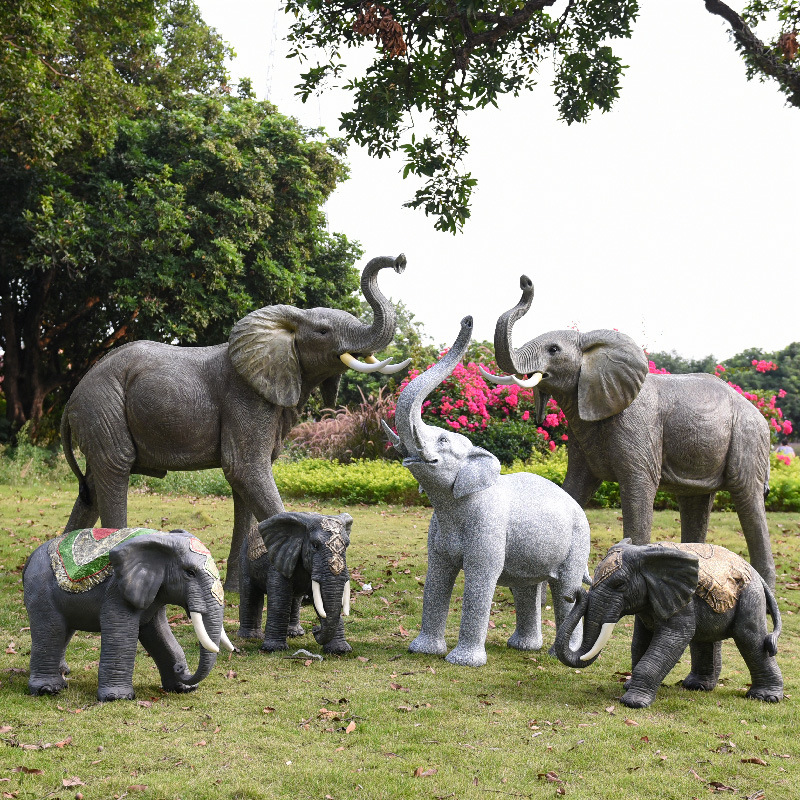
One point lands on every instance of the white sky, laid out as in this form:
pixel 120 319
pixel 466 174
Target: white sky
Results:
pixel 673 218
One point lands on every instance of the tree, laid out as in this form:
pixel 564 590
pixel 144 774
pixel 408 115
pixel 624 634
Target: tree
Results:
pixel 203 208
pixel 445 58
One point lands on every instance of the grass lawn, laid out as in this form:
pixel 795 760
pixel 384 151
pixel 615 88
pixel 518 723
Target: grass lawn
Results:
pixel 381 722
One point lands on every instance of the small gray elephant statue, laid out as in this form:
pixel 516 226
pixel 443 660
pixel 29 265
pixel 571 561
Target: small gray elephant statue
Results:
pixel 297 555
pixel 118 582
pixel 693 594
pixel 149 407
pixel 690 435
pixel 513 530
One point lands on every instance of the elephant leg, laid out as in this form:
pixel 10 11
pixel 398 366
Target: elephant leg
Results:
pixel 642 636
pixel 528 633
pixel 244 526
pixel 84 512
pixel 766 681
pixel 480 580
pixel 753 518
pixel 439 581
pixel 636 499
pixel 666 646
pixel 279 610
pixel 295 628
pixel 579 482
pixel 695 511
pixel 157 638
pixel 706 666
pixel 48 666
pixel 119 636
pixel 251 594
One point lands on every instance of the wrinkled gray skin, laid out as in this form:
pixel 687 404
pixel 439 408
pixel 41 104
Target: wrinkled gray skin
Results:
pixel 298 552
pixel 690 435
pixel 149 572
pixel 511 530
pixel 658 585
pixel 148 407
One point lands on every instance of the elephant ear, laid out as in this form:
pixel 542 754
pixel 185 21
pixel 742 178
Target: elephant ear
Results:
pixel 479 471
pixel 262 350
pixel 671 577
pixel 284 535
pixel 140 565
pixel 613 369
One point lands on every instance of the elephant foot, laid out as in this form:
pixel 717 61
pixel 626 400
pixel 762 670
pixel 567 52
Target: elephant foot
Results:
pixel 637 698
pixel 337 648
pixel 250 633
pixel 52 686
pixel 273 645
pixel 519 642
pixel 296 630
pixel 64 669
pixel 698 683
pixel 428 644
pixel 467 657
pixel 108 694
pixel 767 694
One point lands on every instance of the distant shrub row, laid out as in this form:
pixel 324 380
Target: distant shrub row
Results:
pixel 361 481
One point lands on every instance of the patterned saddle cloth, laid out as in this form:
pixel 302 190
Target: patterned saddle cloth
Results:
pixel 80 558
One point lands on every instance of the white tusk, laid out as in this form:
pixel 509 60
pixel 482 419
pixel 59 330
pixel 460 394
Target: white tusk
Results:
pixel 530 382
pixel 317 595
pixel 346 600
pixel 502 380
pixel 393 368
pixel 225 641
pixel 602 640
pixel 202 634
pixel 359 366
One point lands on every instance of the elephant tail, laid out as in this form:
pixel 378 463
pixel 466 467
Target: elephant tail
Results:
pixel 771 640
pixel 69 455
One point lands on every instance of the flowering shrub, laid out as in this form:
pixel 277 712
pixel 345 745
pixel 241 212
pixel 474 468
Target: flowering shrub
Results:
pixel 464 402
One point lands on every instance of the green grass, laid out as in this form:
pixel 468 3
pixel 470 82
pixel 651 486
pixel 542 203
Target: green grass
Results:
pixel 264 726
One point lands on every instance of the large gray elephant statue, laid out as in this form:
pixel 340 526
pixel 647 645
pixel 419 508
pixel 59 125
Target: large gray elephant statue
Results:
pixel 118 582
pixel 682 594
pixel 688 434
pixel 301 555
pixel 513 530
pixel 149 407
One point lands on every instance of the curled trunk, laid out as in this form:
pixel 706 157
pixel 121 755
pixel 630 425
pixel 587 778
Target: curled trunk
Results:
pixel 591 631
pixel 379 335
pixel 212 624
pixel 505 354
pixel 408 413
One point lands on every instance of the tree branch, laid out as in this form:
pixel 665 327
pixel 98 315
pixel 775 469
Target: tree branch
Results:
pixel 762 57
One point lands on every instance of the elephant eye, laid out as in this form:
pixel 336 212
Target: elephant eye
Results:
pixel 189 572
pixel 553 349
pixel 322 331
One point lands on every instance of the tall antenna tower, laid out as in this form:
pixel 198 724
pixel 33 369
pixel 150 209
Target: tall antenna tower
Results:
pixel 270 71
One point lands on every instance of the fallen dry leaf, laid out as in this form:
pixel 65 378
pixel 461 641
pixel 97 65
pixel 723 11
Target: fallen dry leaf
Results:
pixel 716 786
pixel 27 771
pixel 137 787
pixel 73 781
pixel 5 729
pixel 201 743
pixel 419 772
pixel 351 727
pixel 398 688
pixel 755 760
pixel 631 722
pixel 267 710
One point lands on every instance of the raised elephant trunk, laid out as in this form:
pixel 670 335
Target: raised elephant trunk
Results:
pixel 373 338
pixel 408 413
pixel 505 353
pixel 595 635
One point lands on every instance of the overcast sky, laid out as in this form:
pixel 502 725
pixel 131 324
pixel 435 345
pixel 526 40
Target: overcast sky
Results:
pixel 673 218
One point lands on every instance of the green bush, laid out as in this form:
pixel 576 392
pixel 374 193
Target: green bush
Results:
pixel 510 441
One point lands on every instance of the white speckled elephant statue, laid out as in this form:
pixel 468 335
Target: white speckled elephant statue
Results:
pixel 513 530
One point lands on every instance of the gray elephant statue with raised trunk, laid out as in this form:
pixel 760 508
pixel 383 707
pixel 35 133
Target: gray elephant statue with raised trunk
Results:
pixel 690 435
pixel 118 582
pixel 299 555
pixel 149 407
pixel 687 594
pixel 513 530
